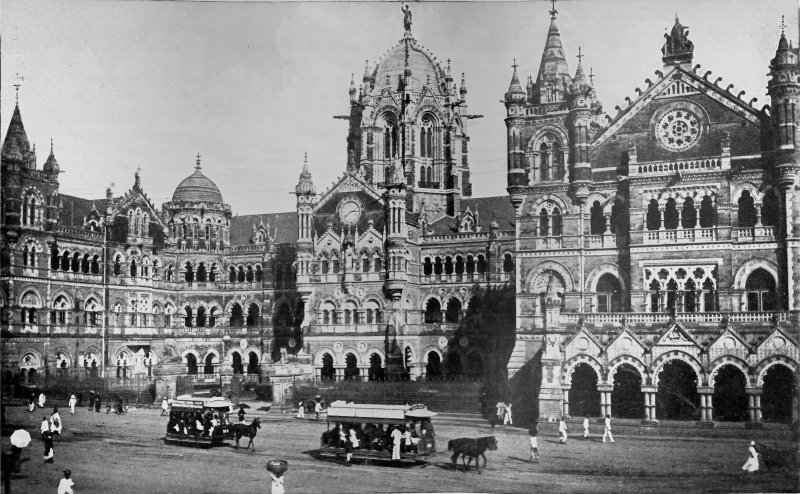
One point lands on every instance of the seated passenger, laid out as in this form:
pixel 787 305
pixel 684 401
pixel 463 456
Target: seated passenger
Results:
pixel 353 439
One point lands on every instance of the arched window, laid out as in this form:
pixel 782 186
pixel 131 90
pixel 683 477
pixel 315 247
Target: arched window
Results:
pixel 237 366
pixel 232 275
pixel 324 266
pixel 55 260
pixel 240 275
pixel 481 264
pixel 609 294
pixel 427 267
pixel 191 364
pixel 201 317
pixel 653 215
pixel 708 215
pixel 470 264
pixel 426 138
pixel 448 265
pixel 327 372
pixel 134 270
pixel 212 317
pixel 189 272
pixel 376 263
pixel 544 162
pixel 390 140
pixel 259 274
pixel 688 214
pixel 597 223
pixel 558 161
pixel 453 313
pixel 709 298
pixel 655 296
pixel 76 262
pixel 59 313
pixel 760 288
pixel 690 302
pixel 237 316
pixel 187 322
pixel 544 223
pixel 508 263
pixel 438 267
pixel 171 273
pixel 85 264
pixel 252 363
pixel 671 214
pixel 117 265
pixel 747 210
pixel 252 315
pixel 249 276
pixel 212 273
pixel 95 267
pixel 672 294
pixel 433 311
pixel 202 275
pixel 65 261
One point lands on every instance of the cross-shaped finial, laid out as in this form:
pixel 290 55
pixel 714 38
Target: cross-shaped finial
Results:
pixel 591 75
pixel 514 65
pixel 554 11
pixel 305 158
pixel 17 85
pixel 580 54
pixel 783 25
pixel 51 145
pixel 197 165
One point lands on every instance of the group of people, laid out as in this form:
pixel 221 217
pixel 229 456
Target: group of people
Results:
pixel 198 424
pixel 502 415
pixel 48 429
pixel 33 399
pixel 398 438
pixel 562 429
pixel 316 410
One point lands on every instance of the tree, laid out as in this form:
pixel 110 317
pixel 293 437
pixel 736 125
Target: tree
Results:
pixel 489 327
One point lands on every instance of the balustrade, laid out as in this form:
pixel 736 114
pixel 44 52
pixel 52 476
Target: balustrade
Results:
pixel 680 235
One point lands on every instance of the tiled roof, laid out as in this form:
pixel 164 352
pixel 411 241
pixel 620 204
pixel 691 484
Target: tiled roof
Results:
pixel 497 208
pixel 74 209
pixel 285 223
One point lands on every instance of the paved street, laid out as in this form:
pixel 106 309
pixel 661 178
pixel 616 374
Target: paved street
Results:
pixel 116 454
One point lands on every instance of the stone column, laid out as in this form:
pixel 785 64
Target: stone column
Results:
pixel 754 406
pixel 661 214
pixel 339 373
pixel 649 403
pixel 605 398
pixel 697 217
pixel 706 406
pixel 565 403
pixel 608 223
pixel 758 215
pixel 680 218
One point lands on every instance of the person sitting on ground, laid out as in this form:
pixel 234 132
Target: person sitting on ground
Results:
pixel 55 422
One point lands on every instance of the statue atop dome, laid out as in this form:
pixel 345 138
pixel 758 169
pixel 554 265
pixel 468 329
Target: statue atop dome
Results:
pixel 407 17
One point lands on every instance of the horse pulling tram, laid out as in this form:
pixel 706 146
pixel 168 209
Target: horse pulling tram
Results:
pixel 199 422
pixel 372 426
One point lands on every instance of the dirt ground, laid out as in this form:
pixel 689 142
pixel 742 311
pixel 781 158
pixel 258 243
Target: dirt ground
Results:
pixel 126 454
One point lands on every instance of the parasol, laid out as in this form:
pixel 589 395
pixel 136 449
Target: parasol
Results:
pixel 20 438
pixel 244 405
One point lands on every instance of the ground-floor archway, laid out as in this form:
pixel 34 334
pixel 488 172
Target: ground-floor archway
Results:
pixel 677 397
pixel 729 402
pixel 238 367
pixel 584 398
pixel 191 364
pixel 252 363
pixel 208 368
pixel 351 367
pixel 627 399
pixel 327 372
pixel 434 366
pixel 776 397
pixel 375 372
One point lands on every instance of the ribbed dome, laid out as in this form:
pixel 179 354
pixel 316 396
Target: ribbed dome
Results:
pixel 197 188
pixel 423 69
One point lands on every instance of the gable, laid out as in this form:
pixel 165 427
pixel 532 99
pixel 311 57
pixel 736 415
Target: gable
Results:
pixel 720 116
pixel 676 336
pixel 350 188
pixel 583 343
pixel 625 343
pixel 778 342
pixel 729 342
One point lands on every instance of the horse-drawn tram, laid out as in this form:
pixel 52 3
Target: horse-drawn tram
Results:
pixel 199 422
pixel 367 432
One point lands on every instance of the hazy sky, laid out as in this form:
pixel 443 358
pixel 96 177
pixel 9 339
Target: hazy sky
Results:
pixel 252 86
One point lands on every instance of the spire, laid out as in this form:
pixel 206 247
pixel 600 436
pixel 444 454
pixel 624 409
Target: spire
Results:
pixel 51 165
pixel 352 89
pixel 783 44
pixel 553 77
pixel 16 144
pixel 305 185
pixel 463 89
pixel 17 85
pixel 367 76
pixel 677 49
pixel 515 91
pixel 580 83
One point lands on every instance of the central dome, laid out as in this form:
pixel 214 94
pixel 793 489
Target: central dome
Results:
pixel 197 188
pixel 424 70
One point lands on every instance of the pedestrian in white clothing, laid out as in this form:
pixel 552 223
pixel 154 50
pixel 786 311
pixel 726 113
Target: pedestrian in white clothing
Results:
pixel 41 400
pixel 55 422
pixel 277 483
pixel 72 402
pixel 508 419
pixel 562 430
pixel 585 427
pixel 301 411
pixel 164 407
pixel 751 465
pixel 45 426
pixel 397 437
pixel 607 431
pixel 65 486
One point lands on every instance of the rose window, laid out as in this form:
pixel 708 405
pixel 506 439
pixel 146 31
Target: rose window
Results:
pixel 678 129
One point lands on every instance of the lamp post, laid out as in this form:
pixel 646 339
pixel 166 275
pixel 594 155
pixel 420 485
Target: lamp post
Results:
pixel 226 339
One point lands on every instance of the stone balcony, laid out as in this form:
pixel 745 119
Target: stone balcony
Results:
pixel 680 236
pixel 754 234
pixel 633 318
pixel 655 168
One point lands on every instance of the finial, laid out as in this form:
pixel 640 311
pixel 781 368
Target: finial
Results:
pixel 51 145
pixel 17 85
pixel 554 11
pixel 580 55
pixel 591 75
pixel 197 165
pixel 783 25
pixel 676 17
pixel 514 65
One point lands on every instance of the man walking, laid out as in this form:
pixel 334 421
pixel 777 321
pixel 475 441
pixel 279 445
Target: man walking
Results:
pixel 508 420
pixel 397 437
pixel 164 406
pixel 607 431
pixel 585 427
pixel 91 401
pixel 48 447
pixel 562 430
pixel 73 400
pixel 533 431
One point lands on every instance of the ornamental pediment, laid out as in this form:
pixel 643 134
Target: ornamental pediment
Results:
pixel 729 342
pixel 584 343
pixel 676 335
pixel 625 343
pixel 778 342
pixel 349 183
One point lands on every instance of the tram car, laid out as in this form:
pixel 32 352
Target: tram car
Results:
pixel 199 422
pixel 365 431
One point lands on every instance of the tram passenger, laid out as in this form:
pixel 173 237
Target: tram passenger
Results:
pixel 353 438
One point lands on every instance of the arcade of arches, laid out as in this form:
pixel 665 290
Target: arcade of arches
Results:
pixel 680 394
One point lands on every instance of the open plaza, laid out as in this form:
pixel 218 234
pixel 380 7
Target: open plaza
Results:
pixel 126 453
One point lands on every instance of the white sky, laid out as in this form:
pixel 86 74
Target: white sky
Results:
pixel 252 86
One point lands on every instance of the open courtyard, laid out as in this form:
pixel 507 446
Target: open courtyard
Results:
pixel 117 454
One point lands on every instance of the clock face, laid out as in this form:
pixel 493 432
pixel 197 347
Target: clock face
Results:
pixel 349 211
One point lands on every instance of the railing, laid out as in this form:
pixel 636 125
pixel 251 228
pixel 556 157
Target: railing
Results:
pixel 348 328
pixel 680 235
pixel 69 230
pixel 601 241
pixel 608 318
pixel 751 234
pixel 149 331
pixel 670 167
pixel 428 185
pixel 458 278
pixel 439 326
pixel 548 243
